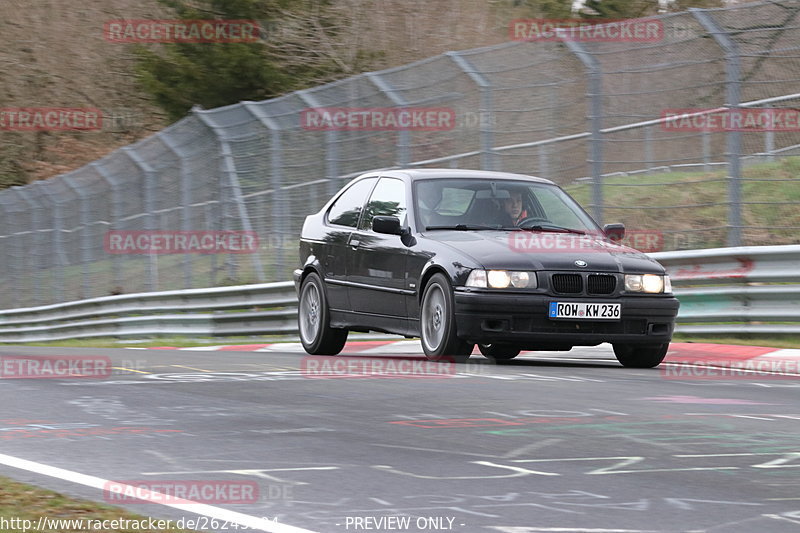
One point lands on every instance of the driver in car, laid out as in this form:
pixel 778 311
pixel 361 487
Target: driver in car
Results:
pixel 513 207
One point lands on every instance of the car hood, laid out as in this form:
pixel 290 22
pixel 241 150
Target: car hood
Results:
pixel 531 250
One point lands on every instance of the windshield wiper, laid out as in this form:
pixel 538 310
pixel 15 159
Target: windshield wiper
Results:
pixel 464 227
pixel 554 229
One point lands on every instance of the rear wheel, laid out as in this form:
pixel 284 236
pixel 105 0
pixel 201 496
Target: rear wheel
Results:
pixel 438 325
pixel 499 351
pixel 313 318
pixel 641 355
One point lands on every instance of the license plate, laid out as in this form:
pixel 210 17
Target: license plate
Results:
pixel 584 311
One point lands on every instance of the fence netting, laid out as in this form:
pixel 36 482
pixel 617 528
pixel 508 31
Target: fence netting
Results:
pixel 585 114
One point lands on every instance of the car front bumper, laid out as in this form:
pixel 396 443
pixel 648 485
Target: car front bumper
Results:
pixel 522 319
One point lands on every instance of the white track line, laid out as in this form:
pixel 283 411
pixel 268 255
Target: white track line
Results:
pixel 219 513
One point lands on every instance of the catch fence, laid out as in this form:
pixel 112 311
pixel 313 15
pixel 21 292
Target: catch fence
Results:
pixel 586 114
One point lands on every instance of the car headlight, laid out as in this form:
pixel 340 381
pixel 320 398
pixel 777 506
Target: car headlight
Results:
pixel 649 283
pixel 501 279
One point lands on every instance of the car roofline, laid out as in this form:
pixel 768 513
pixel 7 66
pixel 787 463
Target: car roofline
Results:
pixel 415 174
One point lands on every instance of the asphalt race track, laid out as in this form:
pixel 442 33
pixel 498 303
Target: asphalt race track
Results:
pixel 550 442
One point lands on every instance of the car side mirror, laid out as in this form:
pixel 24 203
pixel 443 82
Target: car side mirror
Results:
pixel 615 232
pixel 389 225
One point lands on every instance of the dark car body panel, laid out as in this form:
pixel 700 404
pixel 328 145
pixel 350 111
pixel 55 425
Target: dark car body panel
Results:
pixel 374 281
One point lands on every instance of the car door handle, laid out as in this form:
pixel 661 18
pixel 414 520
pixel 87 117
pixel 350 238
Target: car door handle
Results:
pixel 355 243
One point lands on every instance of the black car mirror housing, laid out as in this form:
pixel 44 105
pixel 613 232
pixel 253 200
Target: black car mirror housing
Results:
pixel 615 232
pixel 387 224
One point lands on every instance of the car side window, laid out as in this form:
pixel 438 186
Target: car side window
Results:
pixel 347 208
pixel 388 199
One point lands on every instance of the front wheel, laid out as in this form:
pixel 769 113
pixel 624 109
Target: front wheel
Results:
pixel 313 319
pixel 641 355
pixel 499 351
pixel 438 324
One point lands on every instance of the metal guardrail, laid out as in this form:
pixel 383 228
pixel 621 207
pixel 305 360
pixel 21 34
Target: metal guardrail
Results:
pixel 260 309
pixel 745 290
pixel 753 290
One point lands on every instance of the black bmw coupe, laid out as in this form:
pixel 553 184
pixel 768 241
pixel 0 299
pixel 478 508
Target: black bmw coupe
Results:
pixel 462 257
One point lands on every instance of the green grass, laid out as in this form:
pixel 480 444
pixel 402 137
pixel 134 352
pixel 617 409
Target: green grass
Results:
pixel 24 502
pixel 676 203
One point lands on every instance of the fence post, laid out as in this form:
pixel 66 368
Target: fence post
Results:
pixel 648 148
pixel 149 193
pixel 733 137
pixel 11 253
pixel 595 94
pixel 331 145
pixel 116 216
pixel 59 255
pixel 186 201
pixel 486 109
pixel 544 163
pixel 37 249
pixel 86 236
pixel 769 141
pixel 276 182
pixel 403 136
pixel 706 136
pixel 231 181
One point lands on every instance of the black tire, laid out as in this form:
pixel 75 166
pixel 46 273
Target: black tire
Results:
pixel 437 323
pixel 499 351
pixel 313 320
pixel 641 355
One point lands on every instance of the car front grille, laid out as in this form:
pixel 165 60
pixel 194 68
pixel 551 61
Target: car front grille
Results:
pixel 601 284
pixel 567 283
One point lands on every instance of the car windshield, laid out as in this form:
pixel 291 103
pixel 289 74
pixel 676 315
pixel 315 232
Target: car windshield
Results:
pixel 477 204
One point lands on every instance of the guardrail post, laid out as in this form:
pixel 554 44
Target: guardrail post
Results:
pixel 486 114
pixel 403 136
pixel 149 194
pixel 595 94
pixel 734 137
